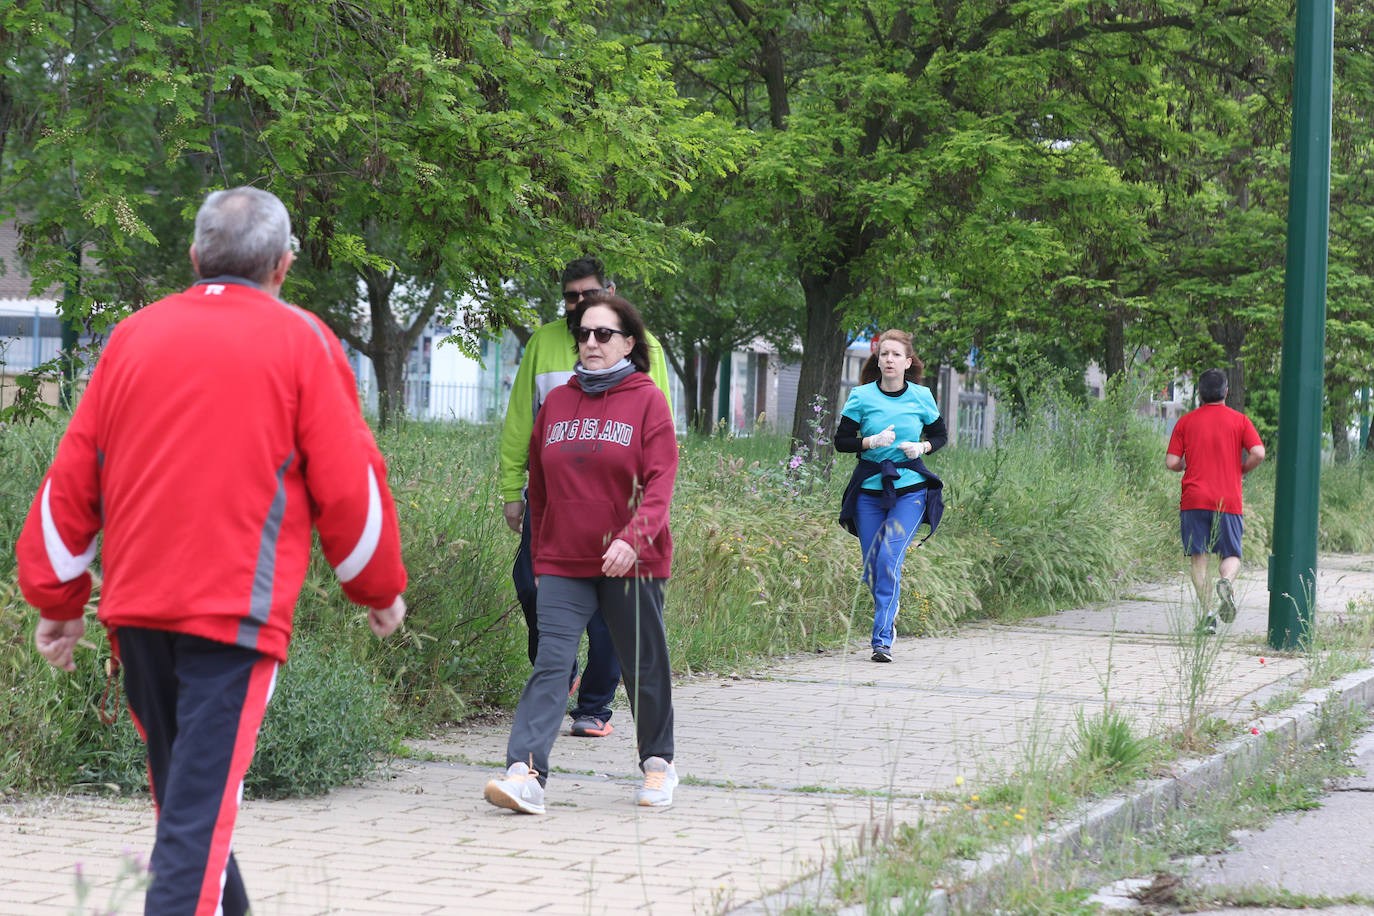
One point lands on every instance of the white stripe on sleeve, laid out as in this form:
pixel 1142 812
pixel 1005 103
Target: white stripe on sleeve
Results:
pixel 371 536
pixel 64 564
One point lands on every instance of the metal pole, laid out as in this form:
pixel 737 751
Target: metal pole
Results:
pixel 1293 564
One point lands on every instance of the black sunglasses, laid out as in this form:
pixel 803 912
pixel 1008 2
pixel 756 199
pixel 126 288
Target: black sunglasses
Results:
pixel 576 295
pixel 603 335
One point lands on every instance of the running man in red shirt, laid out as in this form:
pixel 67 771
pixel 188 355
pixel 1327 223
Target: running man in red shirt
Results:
pixel 219 426
pixel 1213 446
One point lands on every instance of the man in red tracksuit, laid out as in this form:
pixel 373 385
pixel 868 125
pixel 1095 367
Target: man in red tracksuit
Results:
pixel 219 424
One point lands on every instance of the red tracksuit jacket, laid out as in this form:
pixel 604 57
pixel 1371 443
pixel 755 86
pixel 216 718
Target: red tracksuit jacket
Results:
pixel 219 424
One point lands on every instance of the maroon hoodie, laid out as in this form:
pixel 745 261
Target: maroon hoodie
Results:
pixel 602 467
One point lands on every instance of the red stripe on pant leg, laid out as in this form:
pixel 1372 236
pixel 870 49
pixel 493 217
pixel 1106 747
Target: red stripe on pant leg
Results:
pixel 260 683
pixel 138 727
pixel 147 764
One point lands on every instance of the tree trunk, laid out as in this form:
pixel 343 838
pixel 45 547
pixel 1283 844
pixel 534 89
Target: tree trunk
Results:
pixel 389 362
pixel 930 377
pixel 710 373
pixel 1114 345
pixel 1230 333
pixel 387 347
pixel 6 113
pixel 1340 430
pixel 691 389
pixel 822 363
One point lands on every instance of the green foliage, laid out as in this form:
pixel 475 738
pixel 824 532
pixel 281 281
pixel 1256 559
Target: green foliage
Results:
pixel 51 735
pixel 1106 743
pixel 427 152
pixel 26 450
pixel 1069 506
pixel 27 402
pixel 759 567
pixel 1338 641
pixel 462 648
pixel 1347 504
pixel 327 725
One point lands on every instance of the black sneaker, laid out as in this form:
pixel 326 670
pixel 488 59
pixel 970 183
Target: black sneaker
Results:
pixel 1208 625
pixel 882 654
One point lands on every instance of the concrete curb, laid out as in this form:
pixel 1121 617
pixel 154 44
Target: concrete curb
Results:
pixel 1104 822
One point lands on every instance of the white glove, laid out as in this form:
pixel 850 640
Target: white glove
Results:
pixel 880 440
pixel 914 449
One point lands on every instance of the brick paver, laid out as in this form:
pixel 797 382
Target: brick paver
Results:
pixel 784 769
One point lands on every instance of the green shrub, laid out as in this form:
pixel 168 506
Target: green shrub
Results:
pixel 462 648
pixel 327 725
pixel 760 566
pixel 26 450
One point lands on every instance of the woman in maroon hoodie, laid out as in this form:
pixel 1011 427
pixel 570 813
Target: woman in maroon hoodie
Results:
pixel 603 458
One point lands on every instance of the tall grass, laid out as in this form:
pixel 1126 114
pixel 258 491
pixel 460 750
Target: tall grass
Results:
pixel 1072 507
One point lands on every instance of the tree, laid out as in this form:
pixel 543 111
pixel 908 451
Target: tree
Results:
pixel 725 292
pixel 891 131
pixel 427 152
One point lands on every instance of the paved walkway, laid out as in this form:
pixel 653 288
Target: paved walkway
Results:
pixel 783 770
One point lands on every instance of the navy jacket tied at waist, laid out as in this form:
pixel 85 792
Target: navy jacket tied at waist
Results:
pixel 890 470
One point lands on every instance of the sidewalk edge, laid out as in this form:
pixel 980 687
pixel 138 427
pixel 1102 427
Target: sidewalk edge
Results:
pixel 1107 821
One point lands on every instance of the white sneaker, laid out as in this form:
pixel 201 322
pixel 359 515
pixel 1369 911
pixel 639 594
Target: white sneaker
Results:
pixel 520 791
pixel 660 779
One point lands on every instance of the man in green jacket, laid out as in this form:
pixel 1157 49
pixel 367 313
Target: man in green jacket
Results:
pixel 548 361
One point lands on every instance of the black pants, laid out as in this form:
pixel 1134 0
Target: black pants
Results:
pixel 198 705
pixel 602 674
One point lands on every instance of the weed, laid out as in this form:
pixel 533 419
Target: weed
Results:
pixel 1197 656
pixel 1338 643
pixel 129 883
pixel 1106 743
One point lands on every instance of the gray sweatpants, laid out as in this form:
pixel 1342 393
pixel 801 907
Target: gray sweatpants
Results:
pixel 633 611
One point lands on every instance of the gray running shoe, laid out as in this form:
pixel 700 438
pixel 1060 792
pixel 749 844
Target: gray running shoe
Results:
pixel 1226 604
pixel 660 779
pixel 882 654
pixel 591 727
pixel 1207 625
pixel 520 791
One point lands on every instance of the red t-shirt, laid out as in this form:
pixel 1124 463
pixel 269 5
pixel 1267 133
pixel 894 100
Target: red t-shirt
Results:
pixel 1211 440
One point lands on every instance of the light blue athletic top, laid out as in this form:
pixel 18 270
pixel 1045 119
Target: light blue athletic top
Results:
pixel 907 413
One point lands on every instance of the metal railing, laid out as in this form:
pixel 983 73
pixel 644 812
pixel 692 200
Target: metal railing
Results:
pixel 441 401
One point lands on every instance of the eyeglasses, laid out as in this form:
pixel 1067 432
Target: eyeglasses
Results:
pixel 576 295
pixel 603 335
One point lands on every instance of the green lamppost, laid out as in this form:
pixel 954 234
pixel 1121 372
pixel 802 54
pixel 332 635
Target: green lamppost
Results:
pixel 1293 565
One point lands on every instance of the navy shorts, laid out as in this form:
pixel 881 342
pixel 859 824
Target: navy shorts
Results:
pixel 1205 531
